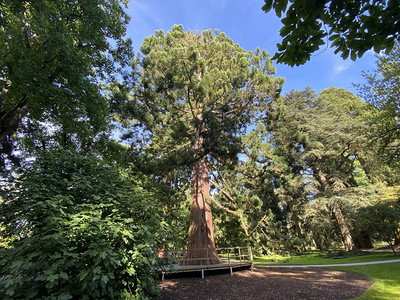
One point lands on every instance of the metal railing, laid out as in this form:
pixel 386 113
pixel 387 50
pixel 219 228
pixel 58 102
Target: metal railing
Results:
pixel 207 256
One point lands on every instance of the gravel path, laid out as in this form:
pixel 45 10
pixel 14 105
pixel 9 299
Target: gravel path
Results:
pixel 271 282
pixel 267 283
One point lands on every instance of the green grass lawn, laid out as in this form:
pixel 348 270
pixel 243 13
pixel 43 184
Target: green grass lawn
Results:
pixel 318 258
pixel 385 276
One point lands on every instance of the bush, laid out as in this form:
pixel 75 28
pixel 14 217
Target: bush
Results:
pixel 84 231
pixel 381 220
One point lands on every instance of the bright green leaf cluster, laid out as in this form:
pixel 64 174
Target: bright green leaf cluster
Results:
pixel 83 231
pixel 54 53
pixel 353 27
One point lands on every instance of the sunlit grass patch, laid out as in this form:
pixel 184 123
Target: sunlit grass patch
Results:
pixel 385 276
pixel 318 258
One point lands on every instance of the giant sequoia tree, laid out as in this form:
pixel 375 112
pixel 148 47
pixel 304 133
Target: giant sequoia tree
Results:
pixel 197 92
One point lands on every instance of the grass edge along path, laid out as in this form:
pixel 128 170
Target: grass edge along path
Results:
pixel 385 276
pixel 317 258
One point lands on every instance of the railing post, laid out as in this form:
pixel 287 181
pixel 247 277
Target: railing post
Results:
pixel 229 259
pixel 240 257
pixel 207 257
pixel 251 258
pixel 250 253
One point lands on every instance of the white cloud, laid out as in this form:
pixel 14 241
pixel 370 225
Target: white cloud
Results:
pixel 342 65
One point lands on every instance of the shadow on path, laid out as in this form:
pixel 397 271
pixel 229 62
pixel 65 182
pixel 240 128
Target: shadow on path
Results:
pixel 269 283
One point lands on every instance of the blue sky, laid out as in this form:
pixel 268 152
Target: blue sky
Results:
pixel 246 24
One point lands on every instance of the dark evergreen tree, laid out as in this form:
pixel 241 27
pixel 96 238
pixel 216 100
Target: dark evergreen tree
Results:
pixel 195 95
pixel 321 140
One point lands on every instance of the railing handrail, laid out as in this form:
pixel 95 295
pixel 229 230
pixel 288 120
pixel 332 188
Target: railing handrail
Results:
pixel 226 254
pixel 180 250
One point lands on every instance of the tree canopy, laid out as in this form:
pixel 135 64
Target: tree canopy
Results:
pixel 317 142
pixel 352 27
pixel 53 56
pixel 201 85
pixel 382 90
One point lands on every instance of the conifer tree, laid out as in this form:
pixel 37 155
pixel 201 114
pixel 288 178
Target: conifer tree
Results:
pixel 383 91
pixel 323 138
pixel 196 94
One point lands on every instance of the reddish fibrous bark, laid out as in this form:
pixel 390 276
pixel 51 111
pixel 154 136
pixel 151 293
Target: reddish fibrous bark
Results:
pixel 201 246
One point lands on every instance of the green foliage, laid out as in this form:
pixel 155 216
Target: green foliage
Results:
pixel 352 27
pixel 308 157
pixel 4 241
pixel 382 220
pixel 319 149
pixel 53 55
pixel 198 85
pixel 382 90
pixel 84 230
pixel 319 221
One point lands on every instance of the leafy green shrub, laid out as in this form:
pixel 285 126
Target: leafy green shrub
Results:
pixel 382 220
pixel 85 231
pixel 345 254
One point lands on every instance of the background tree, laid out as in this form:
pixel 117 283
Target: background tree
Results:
pixel 321 140
pixel 383 91
pixel 53 56
pixel 303 176
pixel 382 220
pixel 352 27
pixel 196 95
pixel 261 198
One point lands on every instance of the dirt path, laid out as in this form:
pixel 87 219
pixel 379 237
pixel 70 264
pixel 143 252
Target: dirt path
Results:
pixel 268 283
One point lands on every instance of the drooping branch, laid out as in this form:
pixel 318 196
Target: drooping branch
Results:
pixel 229 197
pixel 236 213
pixel 223 207
pixel 258 224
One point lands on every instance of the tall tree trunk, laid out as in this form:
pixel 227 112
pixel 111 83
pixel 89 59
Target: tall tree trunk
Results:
pixel 10 121
pixel 201 247
pixel 343 228
pixel 337 210
pixel 397 238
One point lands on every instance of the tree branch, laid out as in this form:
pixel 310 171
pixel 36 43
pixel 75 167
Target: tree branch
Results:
pixel 258 224
pixel 229 197
pixel 223 207
pixel 10 121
